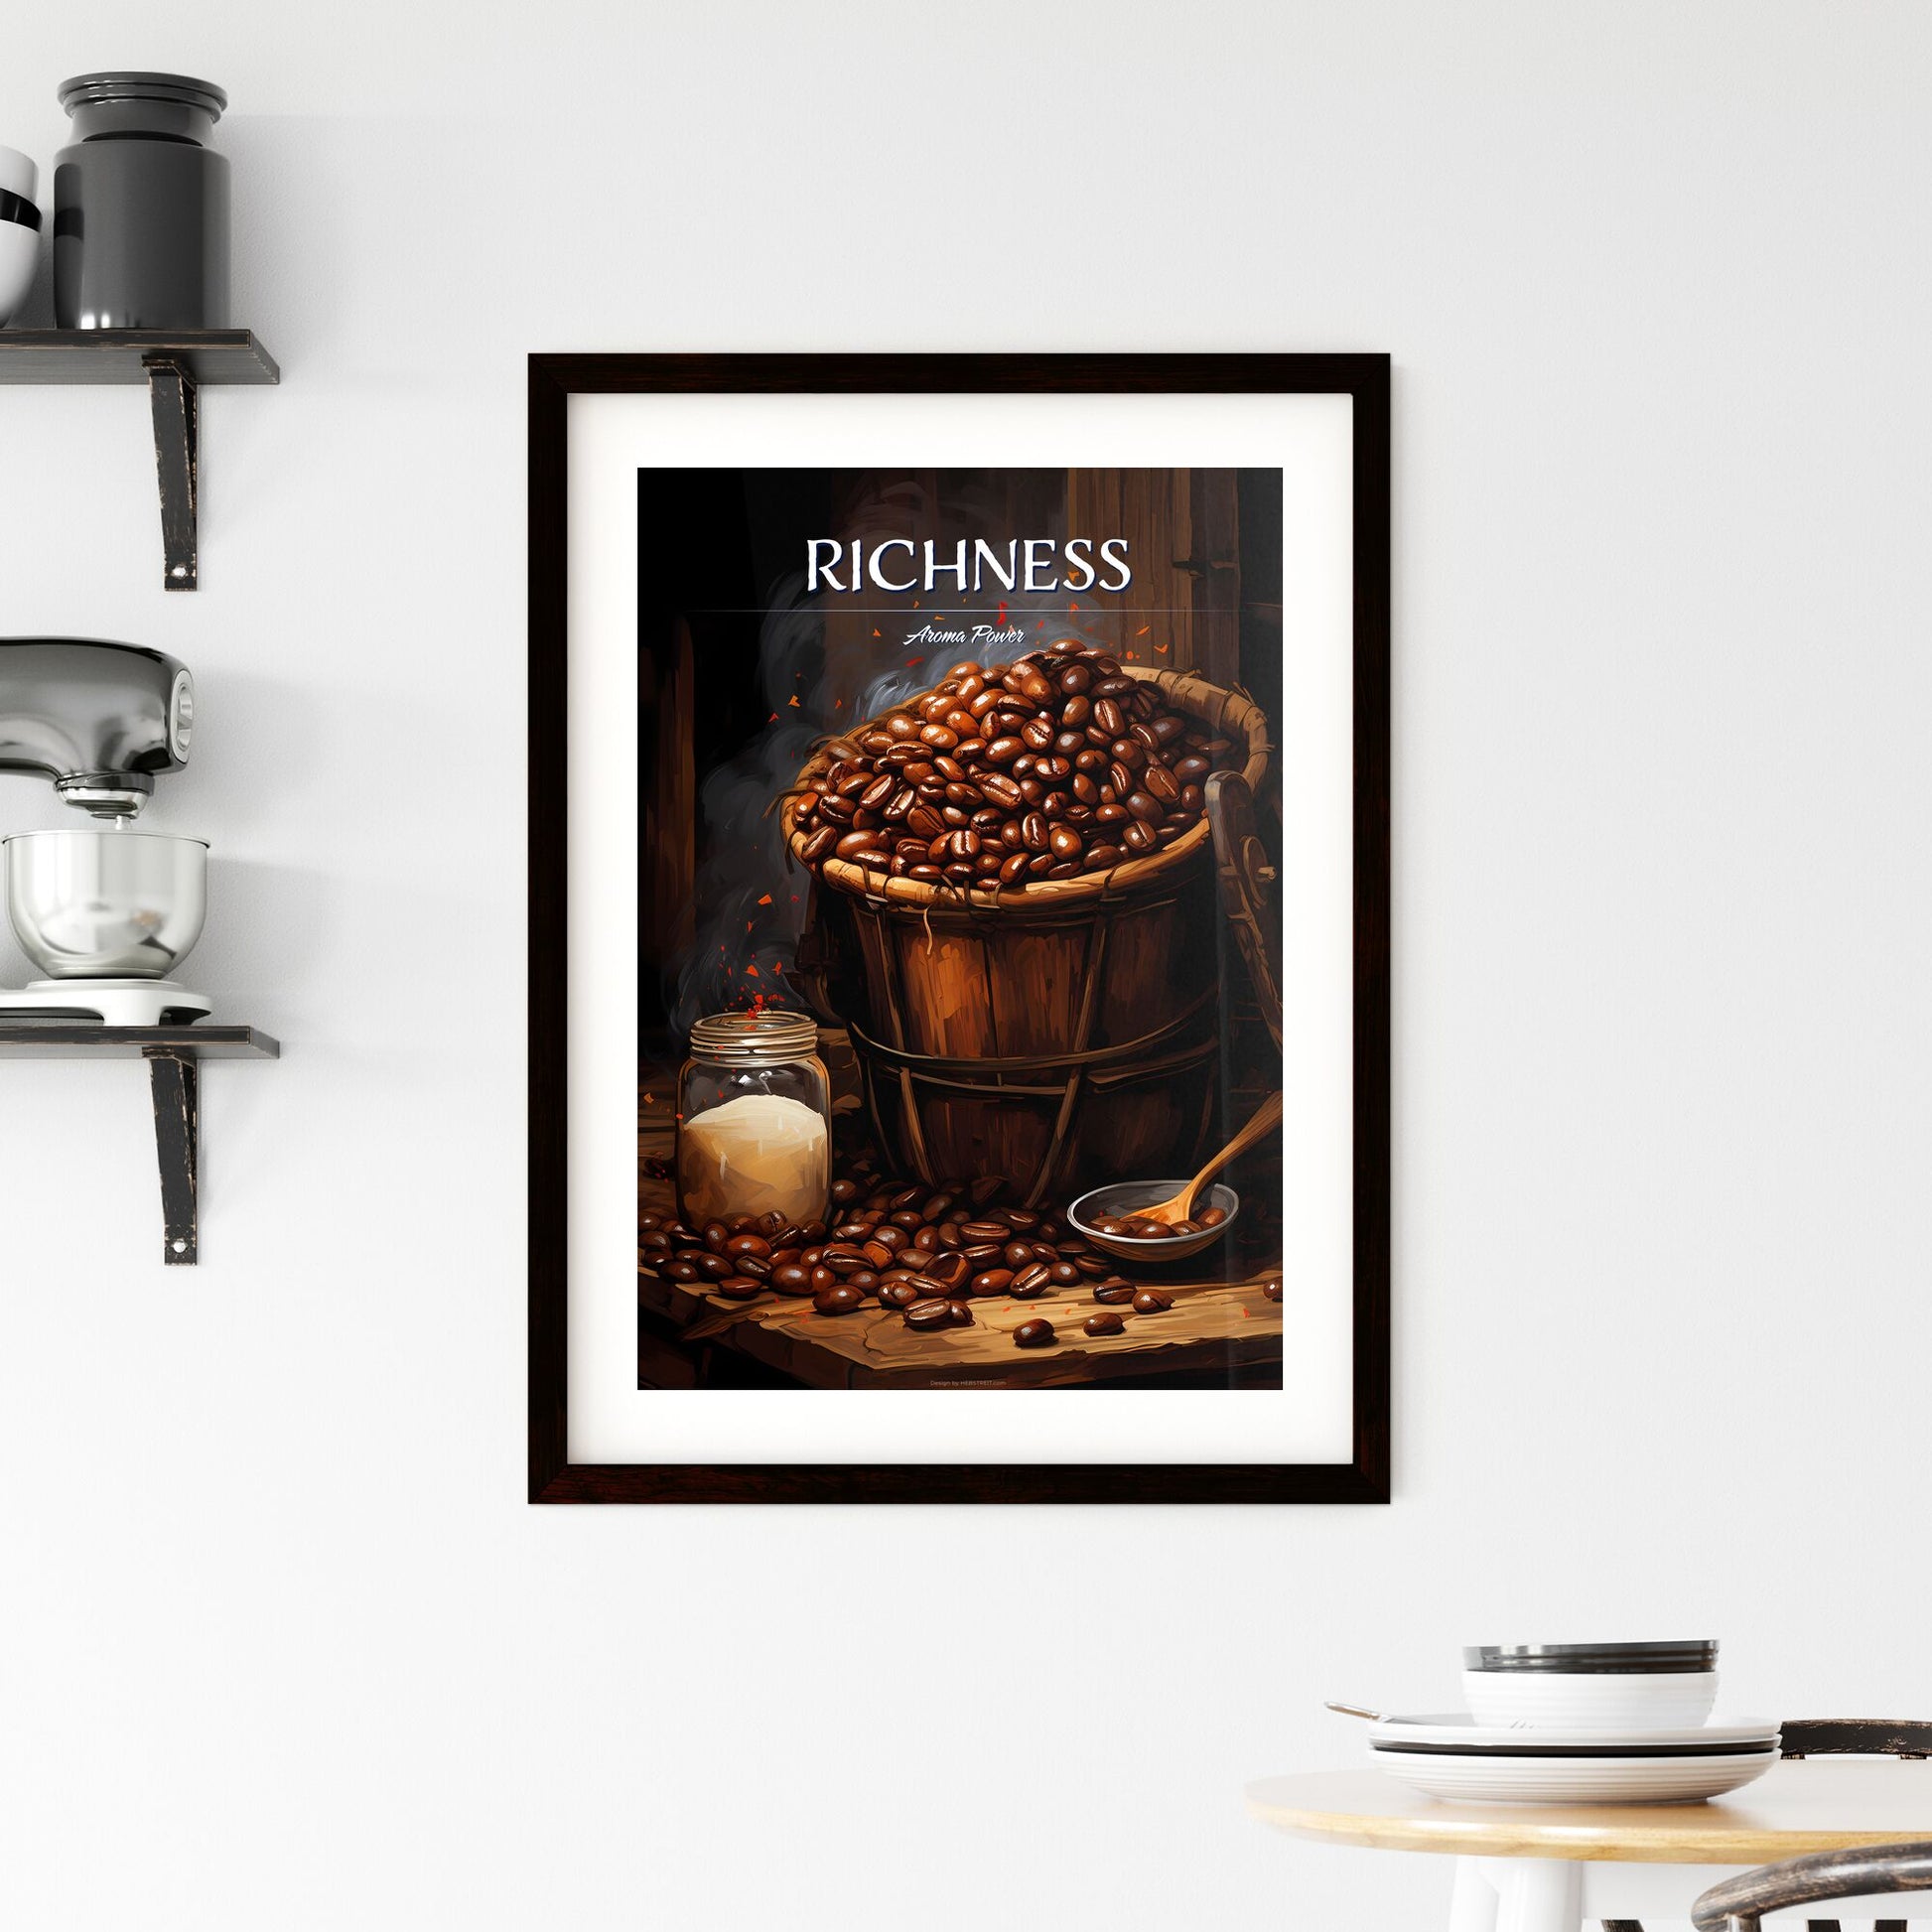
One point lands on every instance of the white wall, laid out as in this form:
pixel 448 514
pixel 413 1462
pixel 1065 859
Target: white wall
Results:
pixel 280 1644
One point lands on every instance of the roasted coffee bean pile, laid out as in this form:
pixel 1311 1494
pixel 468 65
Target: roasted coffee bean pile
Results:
pixel 1006 773
pixel 927 1252
pixel 1136 1228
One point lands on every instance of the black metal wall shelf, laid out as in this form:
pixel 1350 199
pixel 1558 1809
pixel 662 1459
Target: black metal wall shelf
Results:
pixel 174 1056
pixel 175 363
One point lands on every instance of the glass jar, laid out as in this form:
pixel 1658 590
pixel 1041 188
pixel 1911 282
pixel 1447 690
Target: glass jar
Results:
pixel 754 1120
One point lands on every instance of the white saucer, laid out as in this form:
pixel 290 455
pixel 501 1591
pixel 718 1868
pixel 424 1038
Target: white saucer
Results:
pixel 1456 1732
pixel 1573 1781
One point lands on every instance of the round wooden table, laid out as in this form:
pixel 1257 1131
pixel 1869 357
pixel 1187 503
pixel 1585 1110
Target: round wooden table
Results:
pixel 1555 1868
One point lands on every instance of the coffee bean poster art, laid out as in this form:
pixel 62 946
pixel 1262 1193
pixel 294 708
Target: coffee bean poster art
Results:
pixel 959 929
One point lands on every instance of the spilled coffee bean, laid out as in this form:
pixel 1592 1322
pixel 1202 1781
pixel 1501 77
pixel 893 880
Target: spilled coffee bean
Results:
pixel 1033 1334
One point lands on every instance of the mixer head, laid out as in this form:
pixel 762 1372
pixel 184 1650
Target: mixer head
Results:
pixel 97 719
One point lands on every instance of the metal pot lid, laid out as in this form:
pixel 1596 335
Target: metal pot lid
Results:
pixel 1593 1659
pixel 92 89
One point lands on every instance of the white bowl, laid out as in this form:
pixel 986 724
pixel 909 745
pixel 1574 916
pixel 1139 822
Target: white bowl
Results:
pixel 20 259
pixel 18 174
pixel 1612 1701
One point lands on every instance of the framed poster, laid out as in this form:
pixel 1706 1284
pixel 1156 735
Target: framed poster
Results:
pixel 958 813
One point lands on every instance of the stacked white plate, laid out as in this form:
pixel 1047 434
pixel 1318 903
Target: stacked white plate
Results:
pixel 1450 1755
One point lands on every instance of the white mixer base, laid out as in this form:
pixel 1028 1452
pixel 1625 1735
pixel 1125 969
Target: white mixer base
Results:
pixel 114 1003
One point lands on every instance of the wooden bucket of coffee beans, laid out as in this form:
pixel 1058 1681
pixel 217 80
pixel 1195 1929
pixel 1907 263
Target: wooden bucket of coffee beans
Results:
pixel 1014 915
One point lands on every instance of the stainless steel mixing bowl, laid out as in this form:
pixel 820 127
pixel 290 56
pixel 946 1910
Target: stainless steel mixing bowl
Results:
pixel 106 904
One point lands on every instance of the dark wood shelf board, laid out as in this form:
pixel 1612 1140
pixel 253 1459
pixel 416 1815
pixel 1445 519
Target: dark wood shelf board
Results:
pixel 101 356
pixel 78 1040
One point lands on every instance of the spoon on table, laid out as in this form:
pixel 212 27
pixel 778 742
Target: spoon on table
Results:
pixel 1359 1710
pixel 1170 1213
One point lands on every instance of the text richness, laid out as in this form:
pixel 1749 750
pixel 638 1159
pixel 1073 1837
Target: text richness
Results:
pixel 1022 564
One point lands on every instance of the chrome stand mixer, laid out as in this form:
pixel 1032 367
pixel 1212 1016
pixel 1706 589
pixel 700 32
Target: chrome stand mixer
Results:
pixel 107 913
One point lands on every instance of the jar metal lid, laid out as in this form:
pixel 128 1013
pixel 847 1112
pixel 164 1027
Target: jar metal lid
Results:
pixel 768 1035
pixel 1594 1659
pixel 92 89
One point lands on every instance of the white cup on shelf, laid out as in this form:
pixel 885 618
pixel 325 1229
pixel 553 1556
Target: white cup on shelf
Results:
pixel 18 174
pixel 20 228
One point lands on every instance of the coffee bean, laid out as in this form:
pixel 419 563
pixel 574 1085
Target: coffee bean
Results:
pixel 935 1313
pixel 842 1299
pixel 747 1244
pixel 1271 1290
pixel 1019 1254
pixel 961 1314
pixel 680 1271
pixel 1115 1290
pixel 1152 1300
pixel 995 1281
pixel 1033 1334
pixel 1105 1324
pixel 740 1288
pixel 1212 1217
pixel 949 1270
pixel 1029 1280
pixel 900 1295
pixel 790 1279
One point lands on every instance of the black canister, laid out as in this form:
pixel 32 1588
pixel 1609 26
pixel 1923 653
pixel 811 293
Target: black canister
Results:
pixel 141 206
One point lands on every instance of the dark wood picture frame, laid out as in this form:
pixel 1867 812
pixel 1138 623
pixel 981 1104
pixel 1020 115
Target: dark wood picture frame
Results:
pixel 553 379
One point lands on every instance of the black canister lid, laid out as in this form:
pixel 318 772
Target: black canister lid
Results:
pixel 97 90
pixel 1593 1659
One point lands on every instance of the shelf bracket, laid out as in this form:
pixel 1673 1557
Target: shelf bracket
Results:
pixel 173 397
pixel 176 1081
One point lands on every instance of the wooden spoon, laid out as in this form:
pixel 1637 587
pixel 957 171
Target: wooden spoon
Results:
pixel 1267 1117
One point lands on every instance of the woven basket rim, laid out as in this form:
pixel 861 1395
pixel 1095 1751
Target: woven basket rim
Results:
pixel 1226 712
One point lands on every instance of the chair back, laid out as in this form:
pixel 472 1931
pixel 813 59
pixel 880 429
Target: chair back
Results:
pixel 1855 1738
pixel 1871 1870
